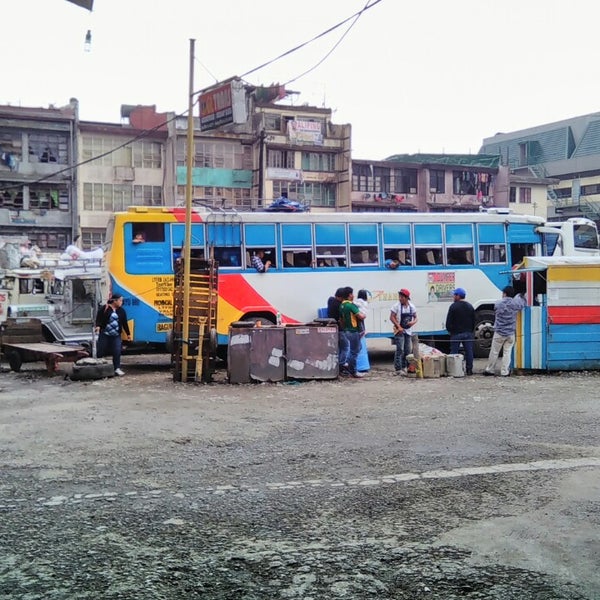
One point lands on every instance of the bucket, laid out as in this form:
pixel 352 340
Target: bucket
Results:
pixel 455 365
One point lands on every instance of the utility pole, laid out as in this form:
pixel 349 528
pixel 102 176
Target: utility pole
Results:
pixel 187 246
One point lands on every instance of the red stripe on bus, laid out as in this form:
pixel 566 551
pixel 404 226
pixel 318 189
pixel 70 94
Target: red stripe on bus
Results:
pixel 572 315
pixel 239 293
pixel 179 214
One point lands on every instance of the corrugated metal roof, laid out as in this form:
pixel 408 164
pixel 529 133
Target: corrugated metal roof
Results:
pixel 459 160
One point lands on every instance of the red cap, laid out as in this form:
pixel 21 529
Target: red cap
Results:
pixel 405 292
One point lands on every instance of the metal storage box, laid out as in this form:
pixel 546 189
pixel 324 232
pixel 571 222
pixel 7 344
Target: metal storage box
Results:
pixel 312 351
pixel 256 354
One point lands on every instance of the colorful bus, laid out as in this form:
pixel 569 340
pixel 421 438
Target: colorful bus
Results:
pixel 313 254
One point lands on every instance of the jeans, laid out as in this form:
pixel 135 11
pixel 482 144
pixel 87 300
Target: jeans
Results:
pixel 403 343
pixel 110 345
pixel 466 339
pixel 353 338
pixel 343 348
pixel 504 343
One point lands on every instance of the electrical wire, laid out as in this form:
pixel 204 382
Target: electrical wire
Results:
pixel 358 15
pixel 320 35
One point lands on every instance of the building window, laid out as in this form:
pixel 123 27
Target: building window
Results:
pixel 48 148
pixel 92 238
pixel 360 177
pixel 318 161
pixel 272 122
pixel 147 155
pixel 312 193
pixel 11 196
pixel 216 155
pixel 437 181
pixel 405 181
pixel 147 195
pixel 281 159
pixel 54 240
pixel 512 195
pixel 107 197
pixel 525 195
pixel 48 197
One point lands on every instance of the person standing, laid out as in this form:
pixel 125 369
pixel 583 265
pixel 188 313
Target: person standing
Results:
pixel 350 318
pixel 333 312
pixel 505 325
pixel 403 316
pixel 111 321
pixel 460 323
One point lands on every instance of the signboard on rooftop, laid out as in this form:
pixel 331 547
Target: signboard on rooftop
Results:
pixel 305 132
pixel 223 105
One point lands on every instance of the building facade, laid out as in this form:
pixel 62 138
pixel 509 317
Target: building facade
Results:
pixel 429 183
pixel 38 191
pixel 565 152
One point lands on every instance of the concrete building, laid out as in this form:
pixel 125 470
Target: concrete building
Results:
pixel 121 165
pixel 565 154
pixel 430 183
pixel 250 150
pixel 38 193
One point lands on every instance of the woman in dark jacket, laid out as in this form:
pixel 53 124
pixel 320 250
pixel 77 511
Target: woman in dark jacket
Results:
pixel 111 321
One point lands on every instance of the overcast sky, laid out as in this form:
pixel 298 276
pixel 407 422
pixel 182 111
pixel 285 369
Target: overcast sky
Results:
pixel 421 76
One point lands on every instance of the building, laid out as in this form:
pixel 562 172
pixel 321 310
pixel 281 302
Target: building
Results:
pixel 565 154
pixel 120 165
pixel 38 192
pixel 429 183
pixel 250 150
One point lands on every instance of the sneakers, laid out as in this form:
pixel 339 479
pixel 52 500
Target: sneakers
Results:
pixel 401 372
pixel 119 372
pixel 358 374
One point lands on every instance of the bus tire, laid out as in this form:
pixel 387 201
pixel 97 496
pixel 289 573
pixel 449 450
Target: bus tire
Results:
pixel 484 332
pixel 14 360
pixel 90 369
pixel 213 340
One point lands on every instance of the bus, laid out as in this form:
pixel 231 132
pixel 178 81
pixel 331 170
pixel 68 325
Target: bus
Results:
pixel 313 254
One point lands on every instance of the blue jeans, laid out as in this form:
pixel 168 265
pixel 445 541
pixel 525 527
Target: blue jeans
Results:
pixel 403 343
pixel 353 338
pixel 110 345
pixel 466 339
pixel 343 348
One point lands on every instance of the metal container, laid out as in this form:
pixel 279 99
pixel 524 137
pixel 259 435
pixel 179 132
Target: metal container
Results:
pixel 312 351
pixel 455 365
pixel 256 354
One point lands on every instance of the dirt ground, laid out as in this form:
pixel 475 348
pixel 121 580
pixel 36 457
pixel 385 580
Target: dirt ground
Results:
pixel 385 487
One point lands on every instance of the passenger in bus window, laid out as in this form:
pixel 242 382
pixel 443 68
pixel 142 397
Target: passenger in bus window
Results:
pixel 139 237
pixel 391 263
pixel 259 263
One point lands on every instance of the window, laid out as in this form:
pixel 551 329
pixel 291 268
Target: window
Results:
pixel 281 159
pixel 492 243
pixel 428 244
pixel 437 181
pixel 296 246
pixel 363 245
pixel 459 244
pixel 147 195
pixel 92 238
pixel 48 148
pixel 10 196
pixel 10 149
pixel 107 197
pixel 318 161
pixel 396 244
pixel 360 177
pixel 405 181
pixel 525 195
pixel 272 122
pixel 56 240
pixel 147 154
pixel 312 193
pixel 330 240
pixel 108 150
pixel 217 155
pixel 512 195
pixel 48 197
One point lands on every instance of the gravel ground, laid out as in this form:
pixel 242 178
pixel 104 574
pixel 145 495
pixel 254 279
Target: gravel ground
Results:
pixel 386 487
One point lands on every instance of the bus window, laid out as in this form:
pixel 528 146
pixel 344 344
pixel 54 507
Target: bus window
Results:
pixel 459 256
pixel 228 256
pixel 364 256
pixel 428 256
pixel 331 256
pixel 297 258
pixel 492 253
pixel 585 236
pixel 178 254
pixel 269 255
pixel 402 256
pixel 147 232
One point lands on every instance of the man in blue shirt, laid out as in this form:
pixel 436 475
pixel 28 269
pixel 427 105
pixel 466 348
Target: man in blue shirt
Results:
pixel 505 326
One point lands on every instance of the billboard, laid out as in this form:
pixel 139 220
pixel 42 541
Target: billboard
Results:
pixel 223 105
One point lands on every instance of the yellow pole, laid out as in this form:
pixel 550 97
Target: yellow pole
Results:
pixel 187 250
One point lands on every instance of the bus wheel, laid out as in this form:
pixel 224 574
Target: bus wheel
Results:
pixel 484 331
pixel 14 360
pixel 213 340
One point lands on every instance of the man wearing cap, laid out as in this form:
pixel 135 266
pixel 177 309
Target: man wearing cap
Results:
pixel 111 321
pixel 505 326
pixel 403 316
pixel 460 323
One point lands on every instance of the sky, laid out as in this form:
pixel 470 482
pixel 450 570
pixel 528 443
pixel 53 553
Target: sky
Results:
pixel 421 76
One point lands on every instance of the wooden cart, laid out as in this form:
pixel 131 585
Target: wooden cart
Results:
pixel 22 341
